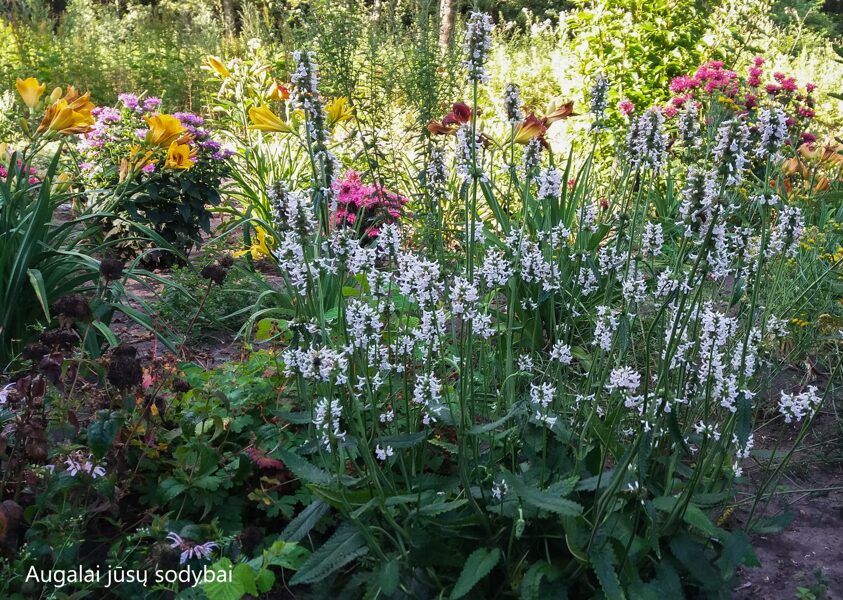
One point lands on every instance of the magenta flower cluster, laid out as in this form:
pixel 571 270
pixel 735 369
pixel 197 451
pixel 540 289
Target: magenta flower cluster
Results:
pixel 31 171
pixel 712 78
pixel 365 206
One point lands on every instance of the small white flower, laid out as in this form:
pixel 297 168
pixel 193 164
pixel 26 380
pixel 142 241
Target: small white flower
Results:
pixel 525 363
pixel 383 453
pixel 561 353
pixel 500 489
pixel 4 393
pixel 73 467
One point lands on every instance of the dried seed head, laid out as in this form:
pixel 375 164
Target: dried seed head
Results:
pixel 111 269
pixel 73 307
pixel 214 273
pixel 124 370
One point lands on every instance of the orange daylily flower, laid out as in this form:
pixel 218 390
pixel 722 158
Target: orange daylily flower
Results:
pixel 70 114
pixel 163 130
pixel 821 184
pixel 529 128
pixel 459 115
pixel 277 92
pixel 792 166
pixel 563 111
pixel 826 153
pixel 217 65
pixel 437 128
pixel 263 119
pixel 30 90
pixel 179 156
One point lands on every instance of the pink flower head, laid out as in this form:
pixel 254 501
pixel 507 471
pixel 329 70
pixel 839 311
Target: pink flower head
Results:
pixel 679 101
pixel 808 138
pixel 772 89
pixel 626 107
pixel 754 79
pixel 683 83
pixel 758 61
pixel 810 87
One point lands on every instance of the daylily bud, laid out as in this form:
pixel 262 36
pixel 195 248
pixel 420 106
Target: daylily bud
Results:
pixel 821 184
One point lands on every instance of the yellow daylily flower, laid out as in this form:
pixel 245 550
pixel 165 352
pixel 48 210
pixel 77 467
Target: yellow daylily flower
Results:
pixel 179 156
pixel 260 245
pixel 163 130
pixel 217 65
pixel 338 111
pixel 264 119
pixel 70 114
pixel 30 90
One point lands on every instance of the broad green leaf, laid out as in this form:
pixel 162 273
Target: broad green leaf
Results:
pixel 222 588
pixel 102 431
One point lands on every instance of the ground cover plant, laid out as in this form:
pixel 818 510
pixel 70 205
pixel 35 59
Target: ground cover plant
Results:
pixel 489 341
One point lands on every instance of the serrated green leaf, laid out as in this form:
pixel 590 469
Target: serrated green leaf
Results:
pixel 544 500
pixel 602 562
pixel 303 522
pixel 479 564
pixel 735 549
pixel 531 583
pixel 389 577
pixel 691 554
pixel 303 468
pixel 407 440
pixel 264 581
pixel 773 524
pixel 345 545
pixel 692 516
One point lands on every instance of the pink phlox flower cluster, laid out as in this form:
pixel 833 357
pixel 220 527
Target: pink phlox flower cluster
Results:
pixel 31 171
pixel 710 76
pixel 374 204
